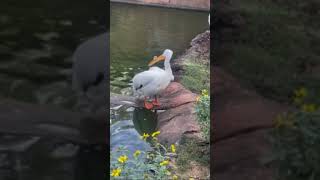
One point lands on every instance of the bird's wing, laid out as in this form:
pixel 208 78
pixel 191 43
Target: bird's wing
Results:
pixel 155 68
pixel 143 79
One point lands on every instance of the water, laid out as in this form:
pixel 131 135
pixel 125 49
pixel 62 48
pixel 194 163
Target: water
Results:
pixel 38 39
pixel 37 43
pixel 137 33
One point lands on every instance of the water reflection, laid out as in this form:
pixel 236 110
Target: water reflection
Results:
pixel 128 125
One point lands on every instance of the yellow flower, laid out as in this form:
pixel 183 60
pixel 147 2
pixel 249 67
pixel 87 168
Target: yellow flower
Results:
pixel 123 159
pixel 173 148
pixel 204 92
pixel 198 98
pixel 145 136
pixel 297 100
pixel 301 93
pixel 283 121
pixel 136 153
pixel 309 108
pixel 116 172
pixel 155 134
pixel 174 177
pixel 191 178
pixel 164 163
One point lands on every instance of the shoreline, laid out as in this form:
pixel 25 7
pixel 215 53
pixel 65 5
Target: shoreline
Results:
pixel 204 6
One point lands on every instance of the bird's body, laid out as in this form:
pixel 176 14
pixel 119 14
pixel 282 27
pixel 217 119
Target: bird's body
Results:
pixel 152 82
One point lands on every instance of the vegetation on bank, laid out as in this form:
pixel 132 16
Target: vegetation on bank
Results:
pixel 275 50
pixel 196 76
pixel 193 152
pixel 156 164
pixel 203 113
pixel 277 46
pixel 194 155
pixel 296 140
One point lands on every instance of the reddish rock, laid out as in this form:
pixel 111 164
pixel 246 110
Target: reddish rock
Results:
pixel 241 157
pixel 176 122
pixel 180 117
pixel 237 109
pixel 175 95
pixel 240 119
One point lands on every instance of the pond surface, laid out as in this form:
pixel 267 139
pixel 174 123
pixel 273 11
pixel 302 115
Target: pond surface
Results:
pixel 137 33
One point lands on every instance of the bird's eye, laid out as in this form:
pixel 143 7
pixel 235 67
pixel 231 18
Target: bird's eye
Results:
pixel 139 87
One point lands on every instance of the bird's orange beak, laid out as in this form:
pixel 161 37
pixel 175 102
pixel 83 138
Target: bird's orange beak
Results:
pixel 156 59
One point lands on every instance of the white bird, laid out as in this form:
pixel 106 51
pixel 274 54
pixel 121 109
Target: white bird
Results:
pixel 153 81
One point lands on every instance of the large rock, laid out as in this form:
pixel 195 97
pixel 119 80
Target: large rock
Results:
pixel 237 109
pixel 179 118
pixel 175 95
pixel 240 120
pixel 176 114
pixel 241 158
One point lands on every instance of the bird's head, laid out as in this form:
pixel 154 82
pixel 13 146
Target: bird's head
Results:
pixel 166 55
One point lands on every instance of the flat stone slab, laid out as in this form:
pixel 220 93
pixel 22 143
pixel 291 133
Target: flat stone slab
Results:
pixel 176 113
pixel 241 157
pixel 237 109
pixel 240 120
pixel 180 117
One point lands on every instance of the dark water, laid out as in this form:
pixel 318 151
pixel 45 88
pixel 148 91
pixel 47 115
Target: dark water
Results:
pixel 37 41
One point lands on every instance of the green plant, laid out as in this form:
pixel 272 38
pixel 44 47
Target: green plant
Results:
pixel 296 141
pixel 203 113
pixel 149 165
pixel 276 35
pixel 196 77
pixel 191 149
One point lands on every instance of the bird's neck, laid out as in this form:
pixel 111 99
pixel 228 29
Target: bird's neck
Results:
pixel 167 67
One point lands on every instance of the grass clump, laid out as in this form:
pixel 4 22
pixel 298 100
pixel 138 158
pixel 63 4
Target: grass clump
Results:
pixel 203 113
pixel 196 77
pixel 193 154
pixel 277 35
